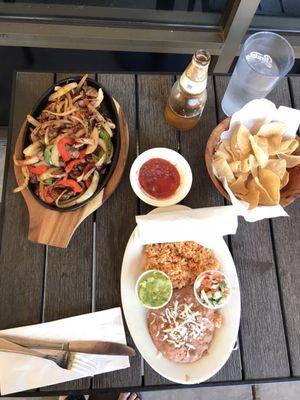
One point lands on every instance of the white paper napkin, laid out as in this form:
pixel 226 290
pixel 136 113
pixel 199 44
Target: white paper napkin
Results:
pixel 21 372
pixel 253 115
pixel 179 224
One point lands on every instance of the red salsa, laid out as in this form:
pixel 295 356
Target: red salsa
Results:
pixel 159 178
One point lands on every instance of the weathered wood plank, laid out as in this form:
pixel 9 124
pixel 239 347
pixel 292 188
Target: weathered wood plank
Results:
pixel 192 147
pixel 21 262
pixel 204 194
pixel 295 90
pixel 193 144
pixel 154 131
pixel 68 267
pixel 287 246
pixel 69 274
pixel 264 351
pixel 115 221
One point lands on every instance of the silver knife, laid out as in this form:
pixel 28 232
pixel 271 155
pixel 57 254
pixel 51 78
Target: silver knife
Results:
pixel 80 346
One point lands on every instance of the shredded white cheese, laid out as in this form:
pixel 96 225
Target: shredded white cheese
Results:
pixel 184 325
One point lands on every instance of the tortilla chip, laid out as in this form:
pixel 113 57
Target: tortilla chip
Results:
pixel 291 161
pixel 233 141
pixel 274 143
pixel 268 185
pixel 263 143
pixel 239 142
pixel 264 197
pixel 288 146
pixel 277 166
pixel 228 148
pixel 240 167
pixel 222 152
pixel 272 132
pixel 260 155
pixel 253 164
pixel 271 129
pixel 235 167
pixel 239 186
pixel 252 196
pixel 285 180
pixel 223 170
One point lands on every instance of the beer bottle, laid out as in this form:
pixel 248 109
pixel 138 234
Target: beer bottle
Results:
pixel 188 94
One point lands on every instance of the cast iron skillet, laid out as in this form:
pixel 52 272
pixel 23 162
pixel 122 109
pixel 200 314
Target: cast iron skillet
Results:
pixel 108 108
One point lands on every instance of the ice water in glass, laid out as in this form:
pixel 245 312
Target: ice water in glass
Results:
pixel 265 58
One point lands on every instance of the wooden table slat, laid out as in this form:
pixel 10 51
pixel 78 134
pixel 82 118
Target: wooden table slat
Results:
pixel 264 351
pixel 69 274
pixel 204 194
pixel 193 144
pixel 20 299
pixel 154 132
pixel 115 221
pixel 287 246
pixel 69 271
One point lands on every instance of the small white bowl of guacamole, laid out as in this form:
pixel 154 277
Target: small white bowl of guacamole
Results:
pixel 154 289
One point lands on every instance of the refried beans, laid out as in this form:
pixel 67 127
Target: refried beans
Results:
pixel 183 329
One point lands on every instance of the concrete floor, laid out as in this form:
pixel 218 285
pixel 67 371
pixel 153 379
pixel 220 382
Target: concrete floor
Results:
pixel 274 391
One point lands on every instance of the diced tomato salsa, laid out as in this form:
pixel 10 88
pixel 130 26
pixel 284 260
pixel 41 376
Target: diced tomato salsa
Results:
pixel 213 290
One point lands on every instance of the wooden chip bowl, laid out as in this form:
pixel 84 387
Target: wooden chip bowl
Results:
pixel 287 195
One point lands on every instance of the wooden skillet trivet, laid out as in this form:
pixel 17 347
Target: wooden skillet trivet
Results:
pixel 55 228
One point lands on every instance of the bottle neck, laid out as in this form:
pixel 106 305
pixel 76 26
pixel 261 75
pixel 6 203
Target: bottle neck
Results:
pixel 194 78
pixel 190 86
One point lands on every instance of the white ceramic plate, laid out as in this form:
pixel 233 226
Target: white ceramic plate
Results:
pixel 135 314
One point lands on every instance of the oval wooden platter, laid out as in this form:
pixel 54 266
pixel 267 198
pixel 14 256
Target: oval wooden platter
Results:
pixel 56 228
pixel 287 195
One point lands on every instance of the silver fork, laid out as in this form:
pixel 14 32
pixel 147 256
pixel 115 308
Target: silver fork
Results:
pixel 64 359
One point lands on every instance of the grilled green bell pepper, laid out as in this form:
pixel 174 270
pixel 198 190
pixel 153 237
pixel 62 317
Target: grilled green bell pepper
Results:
pixel 109 152
pixel 47 155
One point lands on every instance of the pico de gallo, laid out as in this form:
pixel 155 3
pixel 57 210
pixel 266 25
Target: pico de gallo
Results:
pixel 70 146
pixel 212 289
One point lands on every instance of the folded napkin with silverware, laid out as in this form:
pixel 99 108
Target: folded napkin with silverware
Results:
pixel 59 351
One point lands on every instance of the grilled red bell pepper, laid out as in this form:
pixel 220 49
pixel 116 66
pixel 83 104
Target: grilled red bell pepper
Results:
pixel 38 170
pixel 61 145
pixel 78 160
pixel 86 102
pixel 72 164
pixel 88 167
pixel 46 194
pixel 82 154
pixel 69 183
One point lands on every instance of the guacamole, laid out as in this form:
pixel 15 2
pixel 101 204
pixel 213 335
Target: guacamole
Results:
pixel 154 289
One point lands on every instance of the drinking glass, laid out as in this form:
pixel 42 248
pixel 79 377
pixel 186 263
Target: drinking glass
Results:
pixel 266 57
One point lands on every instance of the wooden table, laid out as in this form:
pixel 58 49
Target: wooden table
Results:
pixel 40 283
